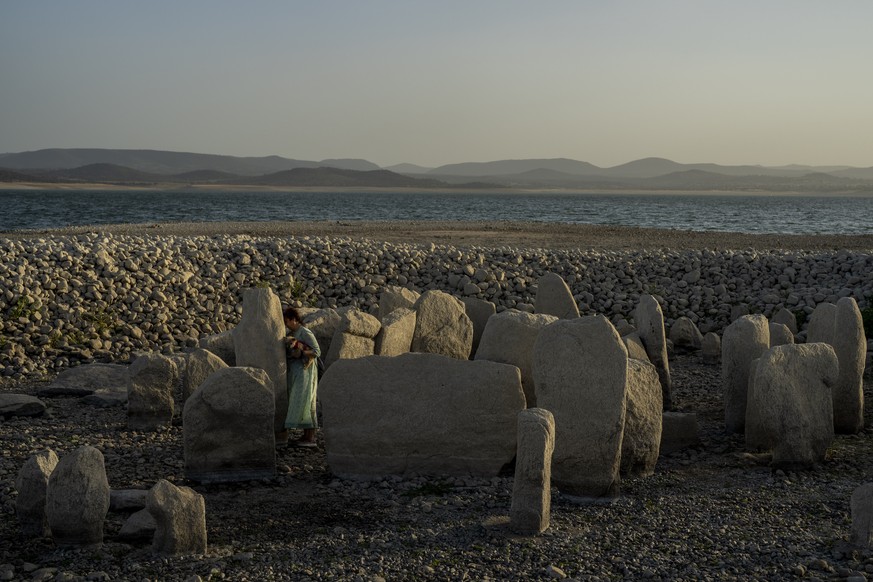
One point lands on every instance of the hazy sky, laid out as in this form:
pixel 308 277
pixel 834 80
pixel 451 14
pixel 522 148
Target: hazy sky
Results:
pixel 443 81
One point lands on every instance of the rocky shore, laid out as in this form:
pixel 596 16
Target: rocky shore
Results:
pixel 710 512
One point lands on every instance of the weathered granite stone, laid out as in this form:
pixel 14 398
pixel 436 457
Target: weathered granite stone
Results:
pixel 780 335
pixel 862 516
pixel 580 373
pixel 821 324
pixel 532 487
pixel 679 431
pixel 200 365
pixel 180 519
pixel 394 297
pixel 624 327
pixel 755 433
pixel 31 484
pixel 106 398
pixel 850 345
pixel 323 323
pixel 77 499
pixel 786 318
pixel 258 340
pixel 220 344
pixel 151 380
pixel 227 427
pixel 790 406
pixel 635 349
pixel 478 310
pixel 442 326
pixel 127 499
pixel 20 405
pixel 744 340
pixel 346 346
pixel 419 413
pixel 139 527
pixel 395 337
pixel 710 348
pixel 509 338
pixel 86 379
pixel 555 298
pixel 356 322
pixel 649 320
pixel 641 443
pixel 685 335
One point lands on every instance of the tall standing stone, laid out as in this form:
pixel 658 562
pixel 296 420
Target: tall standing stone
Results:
pixel 180 519
pixel 31 484
pixel 821 324
pixel 395 337
pixel 786 318
pixel 227 427
pixel 258 340
pixel 394 297
pixel 555 298
pixel 509 338
pixel 780 335
pixel 850 344
pixel 580 373
pixel 479 311
pixel 641 442
pixel 77 499
pixel 442 326
pixel 862 516
pixel 746 339
pixel 151 382
pixel 532 486
pixel 649 321
pixel 199 365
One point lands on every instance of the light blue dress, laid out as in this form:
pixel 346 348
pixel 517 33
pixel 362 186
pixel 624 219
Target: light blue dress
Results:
pixel 302 385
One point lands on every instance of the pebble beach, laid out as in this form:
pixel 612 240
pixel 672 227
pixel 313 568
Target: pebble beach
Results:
pixel 711 512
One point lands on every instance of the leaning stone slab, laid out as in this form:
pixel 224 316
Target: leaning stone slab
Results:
pixel 532 487
pixel 77 499
pixel 744 340
pixel 221 345
pixel 780 335
pixel 478 310
pixel 790 407
pixel 685 335
pixel 151 380
pixel 394 297
pixel 442 326
pixel 419 414
pixel 555 298
pixel 180 519
pixel 850 345
pixel 635 348
pixel 31 484
pixel 509 338
pixel 199 365
pixel 86 379
pixel 679 431
pixel 395 337
pixel 20 405
pixel 641 443
pixel 139 527
pixel 862 516
pixel 580 373
pixel 649 321
pixel 227 428
pixel 258 340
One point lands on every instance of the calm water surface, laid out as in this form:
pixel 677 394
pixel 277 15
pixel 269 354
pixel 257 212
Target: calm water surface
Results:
pixel 41 209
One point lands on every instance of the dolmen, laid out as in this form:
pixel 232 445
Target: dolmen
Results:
pixel 649 320
pixel 419 414
pixel 744 340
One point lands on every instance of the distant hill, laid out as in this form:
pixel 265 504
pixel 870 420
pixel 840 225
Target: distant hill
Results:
pixel 506 167
pixel 13 176
pixel 350 164
pixel 408 169
pixel 103 173
pixel 336 177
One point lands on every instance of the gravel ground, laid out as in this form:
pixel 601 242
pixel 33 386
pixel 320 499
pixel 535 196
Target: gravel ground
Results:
pixel 713 512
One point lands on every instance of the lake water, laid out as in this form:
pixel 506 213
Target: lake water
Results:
pixel 38 209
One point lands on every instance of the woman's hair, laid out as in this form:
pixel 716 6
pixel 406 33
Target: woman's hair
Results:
pixel 292 314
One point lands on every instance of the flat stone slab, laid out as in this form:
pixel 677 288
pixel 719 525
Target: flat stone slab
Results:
pixel 21 405
pixel 86 379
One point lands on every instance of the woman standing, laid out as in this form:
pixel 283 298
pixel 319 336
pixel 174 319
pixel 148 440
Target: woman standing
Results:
pixel 303 350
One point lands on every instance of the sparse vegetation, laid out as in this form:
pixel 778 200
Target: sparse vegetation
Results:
pixel 24 307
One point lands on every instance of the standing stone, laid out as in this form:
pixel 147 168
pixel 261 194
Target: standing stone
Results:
pixel 323 323
pixel 221 345
pixel 180 519
pixel 151 380
pixel 790 407
pixel 356 322
pixel 786 318
pixel 509 338
pixel 140 526
pixel 641 443
pixel 442 326
pixel 635 349
pixel 685 335
pixel 420 413
pixel 780 335
pixel 31 484
pixel 345 346
pixel 710 348
pixel 395 337
pixel 850 345
pixel 862 516
pixel 394 297
pixel 479 311
pixel 532 486
pixel 755 432
pixel 227 427
pixel 199 366
pixel 259 343
pixel 77 499
pixel 555 298
pixel 821 324
pixel 744 340
pixel 580 373
pixel 649 320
